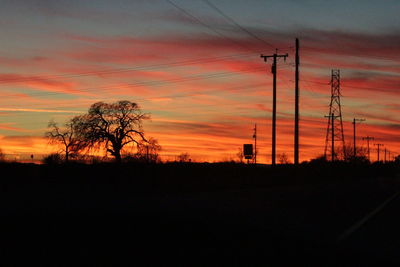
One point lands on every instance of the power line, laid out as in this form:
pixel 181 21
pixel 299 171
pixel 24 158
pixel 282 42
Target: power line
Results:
pixel 346 86
pixel 187 13
pixel 237 88
pixel 120 70
pixel 237 24
pixel 151 83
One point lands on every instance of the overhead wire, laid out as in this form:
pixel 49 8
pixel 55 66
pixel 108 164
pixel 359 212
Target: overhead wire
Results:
pixel 210 4
pixel 121 70
pixel 199 21
pixel 177 95
pixel 150 83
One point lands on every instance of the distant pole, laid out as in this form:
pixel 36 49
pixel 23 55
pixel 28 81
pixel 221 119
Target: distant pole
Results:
pixel 255 143
pixel 368 138
pixel 354 135
pixel 379 146
pixel 296 109
pixel 385 155
pixel 274 71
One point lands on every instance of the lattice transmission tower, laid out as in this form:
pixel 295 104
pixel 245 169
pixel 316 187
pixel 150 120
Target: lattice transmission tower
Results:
pixel 334 132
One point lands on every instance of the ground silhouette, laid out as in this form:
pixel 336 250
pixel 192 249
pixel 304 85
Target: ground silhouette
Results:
pixel 188 214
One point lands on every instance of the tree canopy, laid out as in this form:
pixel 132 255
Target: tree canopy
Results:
pixel 113 125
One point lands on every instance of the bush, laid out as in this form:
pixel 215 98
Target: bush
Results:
pixel 2 156
pixel 53 158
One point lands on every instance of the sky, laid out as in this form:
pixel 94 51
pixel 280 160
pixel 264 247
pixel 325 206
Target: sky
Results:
pixel 195 66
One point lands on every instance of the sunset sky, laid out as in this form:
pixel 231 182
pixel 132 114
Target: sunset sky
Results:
pixel 196 68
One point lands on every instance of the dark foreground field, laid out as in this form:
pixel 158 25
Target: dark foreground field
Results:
pixel 199 215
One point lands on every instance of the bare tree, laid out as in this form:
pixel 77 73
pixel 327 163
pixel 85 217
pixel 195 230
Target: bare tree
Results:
pixel 283 158
pixel 149 150
pixel 2 156
pixel 362 153
pixel 240 155
pixel 113 126
pixel 184 157
pixel 67 137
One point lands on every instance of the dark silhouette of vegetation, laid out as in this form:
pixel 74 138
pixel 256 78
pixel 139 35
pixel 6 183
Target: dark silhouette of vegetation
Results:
pixel 361 154
pixel 2 156
pixel 240 155
pixel 112 126
pixel 283 158
pixel 53 158
pixel 148 150
pixel 68 137
pixel 184 157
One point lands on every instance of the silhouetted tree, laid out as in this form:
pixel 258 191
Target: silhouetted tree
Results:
pixel 67 137
pixel 2 156
pixel 148 150
pixel 361 154
pixel 53 158
pixel 283 158
pixel 240 155
pixel 321 159
pixel 113 125
pixel 184 157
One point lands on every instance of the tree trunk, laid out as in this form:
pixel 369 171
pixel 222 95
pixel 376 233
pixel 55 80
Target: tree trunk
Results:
pixel 117 154
pixel 66 155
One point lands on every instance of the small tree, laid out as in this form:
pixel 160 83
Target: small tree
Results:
pixel 361 153
pixel 67 137
pixel 148 150
pixel 240 155
pixel 2 156
pixel 283 158
pixel 53 158
pixel 113 126
pixel 184 157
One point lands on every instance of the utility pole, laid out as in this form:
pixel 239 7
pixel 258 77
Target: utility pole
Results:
pixel 274 71
pixel 354 135
pixel 378 145
pixel 296 108
pixel 255 143
pixel 368 138
pixel 335 113
pixel 385 155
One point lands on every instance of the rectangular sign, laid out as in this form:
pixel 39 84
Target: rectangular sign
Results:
pixel 248 151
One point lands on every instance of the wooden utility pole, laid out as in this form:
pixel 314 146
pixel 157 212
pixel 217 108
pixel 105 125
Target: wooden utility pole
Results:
pixel 368 138
pixel 385 154
pixel 354 135
pixel 274 71
pixel 379 146
pixel 255 143
pixel 296 107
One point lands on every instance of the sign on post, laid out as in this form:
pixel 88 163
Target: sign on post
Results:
pixel 248 151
